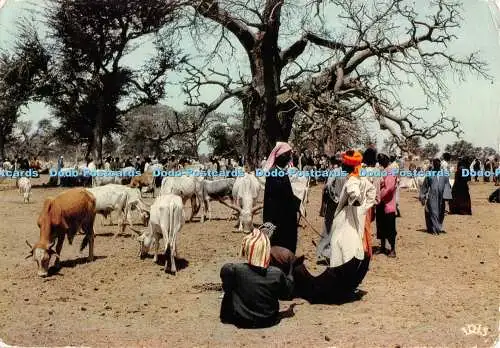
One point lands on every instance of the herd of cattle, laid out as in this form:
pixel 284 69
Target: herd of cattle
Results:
pixel 75 209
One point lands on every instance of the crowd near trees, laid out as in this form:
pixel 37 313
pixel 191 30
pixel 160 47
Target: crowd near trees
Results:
pixel 302 78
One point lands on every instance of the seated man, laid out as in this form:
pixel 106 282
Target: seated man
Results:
pixel 252 290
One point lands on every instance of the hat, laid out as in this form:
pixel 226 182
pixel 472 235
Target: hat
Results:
pixel 256 248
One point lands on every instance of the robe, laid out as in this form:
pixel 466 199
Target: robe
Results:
pixel 460 203
pixel 435 190
pixel 333 189
pixel 281 208
pixel 348 227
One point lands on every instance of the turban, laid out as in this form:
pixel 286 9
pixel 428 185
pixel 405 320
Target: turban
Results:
pixel 278 150
pixel 256 247
pixel 353 161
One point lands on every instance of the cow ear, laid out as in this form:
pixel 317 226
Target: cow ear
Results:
pixel 56 218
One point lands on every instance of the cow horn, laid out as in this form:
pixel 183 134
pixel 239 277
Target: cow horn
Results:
pixel 133 229
pixel 28 243
pixel 238 209
pixel 257 208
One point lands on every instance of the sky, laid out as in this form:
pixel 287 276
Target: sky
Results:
pixel 475 103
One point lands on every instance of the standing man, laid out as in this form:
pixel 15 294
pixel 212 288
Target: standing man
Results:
pixel 386 209
pixel 281 206
pixel 433 194
pixel 60 165
pixel 331 197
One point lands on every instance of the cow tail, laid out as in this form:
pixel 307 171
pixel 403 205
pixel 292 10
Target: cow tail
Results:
pixel 85 242
pixel 171 224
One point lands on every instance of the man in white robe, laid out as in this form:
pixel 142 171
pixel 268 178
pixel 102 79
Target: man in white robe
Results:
pixel 357 197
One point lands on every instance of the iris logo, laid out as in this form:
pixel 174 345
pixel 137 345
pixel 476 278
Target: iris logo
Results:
pixel 478 330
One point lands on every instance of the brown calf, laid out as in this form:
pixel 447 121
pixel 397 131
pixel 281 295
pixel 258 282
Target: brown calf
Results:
pixel 63 216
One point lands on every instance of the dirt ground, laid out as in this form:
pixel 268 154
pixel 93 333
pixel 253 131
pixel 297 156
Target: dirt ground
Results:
pixel 435 287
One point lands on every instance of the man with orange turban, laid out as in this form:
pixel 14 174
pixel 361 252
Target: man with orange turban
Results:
pixel 357 198
pixel 349 258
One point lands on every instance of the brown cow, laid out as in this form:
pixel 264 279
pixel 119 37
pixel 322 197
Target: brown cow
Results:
pixel 63 216
pixel 144 180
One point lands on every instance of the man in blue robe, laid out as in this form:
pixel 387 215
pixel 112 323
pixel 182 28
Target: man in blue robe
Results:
pixel 435 191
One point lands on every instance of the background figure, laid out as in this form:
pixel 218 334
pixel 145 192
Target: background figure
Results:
pixel 433 194
pixel 461 202
pixel 476 167
pixel 386 210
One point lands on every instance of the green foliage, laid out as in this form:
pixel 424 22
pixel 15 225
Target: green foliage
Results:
pixel 430 150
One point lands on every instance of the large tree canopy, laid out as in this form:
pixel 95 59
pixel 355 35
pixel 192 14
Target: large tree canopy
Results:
pixel 19 76
pixel 88 85
pixel 298 62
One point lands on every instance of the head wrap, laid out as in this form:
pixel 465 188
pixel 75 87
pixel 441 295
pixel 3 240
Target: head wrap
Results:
pixel 278 150
pixel 268 228
pixel 353 161
pixel 256 248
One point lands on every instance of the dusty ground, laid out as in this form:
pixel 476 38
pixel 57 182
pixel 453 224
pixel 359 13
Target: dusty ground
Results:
pixel 435 287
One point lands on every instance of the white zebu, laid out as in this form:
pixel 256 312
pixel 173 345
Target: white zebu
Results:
pixel 101 178
pixel 167 219
pixel 24 185
pixel 246 190
pixel 187 187
pixel 216 190
pixel 119 198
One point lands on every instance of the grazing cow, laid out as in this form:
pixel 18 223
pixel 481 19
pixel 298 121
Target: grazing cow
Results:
pixel 63 216
pixel 246 190
pixel 167 219
pixel 24 185
pixel 216 190
pixel 114 197
pixel 100 180
pixel 145 180
pixel 188 187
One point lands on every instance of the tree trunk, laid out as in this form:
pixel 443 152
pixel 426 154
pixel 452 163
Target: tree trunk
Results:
pixel 2 146
pixel 98 135
pixel 263 124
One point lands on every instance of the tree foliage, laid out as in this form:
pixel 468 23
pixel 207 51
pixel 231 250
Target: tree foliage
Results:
pixel 87 82
pixel 19 75
pixel 462 149
pixel 430 150
pixel 160 130
pixel 226 140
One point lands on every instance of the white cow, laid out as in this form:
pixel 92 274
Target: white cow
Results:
pixel 187 187
pixel 123 199
pixel 100 179
pixel 24 185
pixel 246 190
pixel 216 190
pixel 167 219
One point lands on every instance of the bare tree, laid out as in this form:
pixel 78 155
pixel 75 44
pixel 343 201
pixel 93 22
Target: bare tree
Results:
pixel 386 45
